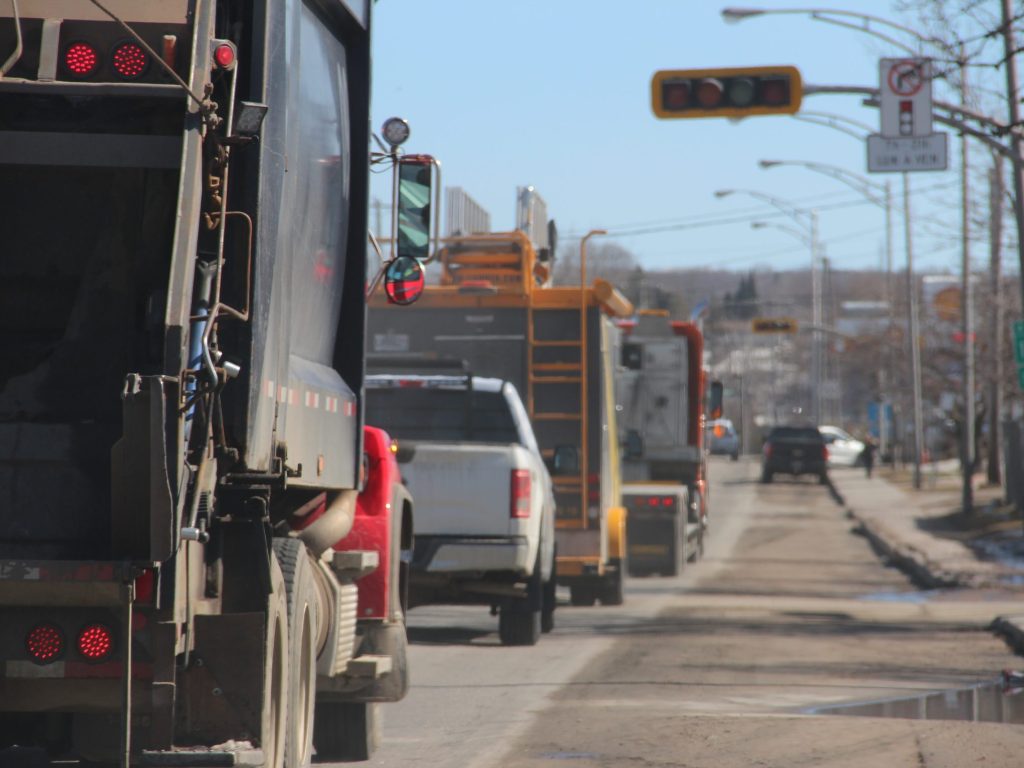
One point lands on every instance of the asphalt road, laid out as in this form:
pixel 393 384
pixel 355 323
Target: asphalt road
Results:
pixel 723 666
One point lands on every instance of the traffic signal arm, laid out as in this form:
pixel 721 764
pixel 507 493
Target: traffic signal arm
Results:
pixel 773 325
pixel 731 92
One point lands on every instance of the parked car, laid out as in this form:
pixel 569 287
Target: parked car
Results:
pixel 795 450
pixel 485 506
pixel 844 450
pixel 722 438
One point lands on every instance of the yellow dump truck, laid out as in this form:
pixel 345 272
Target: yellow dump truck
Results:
pixel 495 309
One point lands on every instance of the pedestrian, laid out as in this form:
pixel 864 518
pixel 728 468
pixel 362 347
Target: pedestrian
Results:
pixel 868 455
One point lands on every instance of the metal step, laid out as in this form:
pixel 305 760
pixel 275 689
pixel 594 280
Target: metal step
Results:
pixel 555 417
pixel 242 757
pixel 556 379
pixel 568 367
pixel 556 343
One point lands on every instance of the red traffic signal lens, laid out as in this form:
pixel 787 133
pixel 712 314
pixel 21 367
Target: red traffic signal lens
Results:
pixel 44 642
pixel 675 94
pixel 95 642
pixel 81 59
pixel 130 60
pixel 710 93
pixel 775 91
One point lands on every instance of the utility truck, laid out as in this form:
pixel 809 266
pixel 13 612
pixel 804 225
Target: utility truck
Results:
pixel 495 308
pixel 190 498
pixel 661 396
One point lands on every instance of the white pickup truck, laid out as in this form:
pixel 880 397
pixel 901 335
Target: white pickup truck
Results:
pixel 485 509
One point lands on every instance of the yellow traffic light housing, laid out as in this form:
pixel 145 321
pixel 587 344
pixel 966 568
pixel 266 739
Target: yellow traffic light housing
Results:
pixel 730 92
pixel 773 325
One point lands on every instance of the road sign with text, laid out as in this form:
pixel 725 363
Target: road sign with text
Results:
pixel 908 153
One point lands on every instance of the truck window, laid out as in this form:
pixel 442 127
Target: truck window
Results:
pixel 445 415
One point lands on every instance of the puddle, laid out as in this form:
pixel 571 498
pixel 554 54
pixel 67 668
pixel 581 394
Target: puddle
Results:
pixel 569 756
pixel 984 703
pixel 922 596
pixel 1007 549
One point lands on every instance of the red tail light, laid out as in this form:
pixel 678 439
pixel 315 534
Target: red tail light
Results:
pixel 667 501
pixel 520 506
pixel 44 643
pixel 224 55
pixel 824 452
pixel 81 59
pixel 767 450
pixel 130 60
pixel 95 642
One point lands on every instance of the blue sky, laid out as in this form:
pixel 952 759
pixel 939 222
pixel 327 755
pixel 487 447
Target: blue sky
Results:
pixel 555 93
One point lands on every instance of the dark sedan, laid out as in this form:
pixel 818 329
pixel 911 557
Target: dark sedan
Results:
pixel 795 450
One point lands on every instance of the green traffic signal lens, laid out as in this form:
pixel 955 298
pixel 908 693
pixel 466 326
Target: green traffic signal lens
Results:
pixel 742 91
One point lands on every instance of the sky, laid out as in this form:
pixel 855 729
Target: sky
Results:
pixel 556 94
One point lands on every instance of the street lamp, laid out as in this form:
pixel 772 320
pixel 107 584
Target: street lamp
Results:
pixel 869 189
pixel 837 17
pixel 796 213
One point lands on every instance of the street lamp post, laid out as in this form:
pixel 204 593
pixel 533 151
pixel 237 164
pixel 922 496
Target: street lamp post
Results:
pixel 870 190
pixel 810 238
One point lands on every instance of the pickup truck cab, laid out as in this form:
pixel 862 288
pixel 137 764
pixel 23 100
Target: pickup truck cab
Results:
pixel 484 503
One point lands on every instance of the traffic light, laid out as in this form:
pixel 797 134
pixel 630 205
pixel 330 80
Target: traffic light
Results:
pixel 732 92
pixel 773 325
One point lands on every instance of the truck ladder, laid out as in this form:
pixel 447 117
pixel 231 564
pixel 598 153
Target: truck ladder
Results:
pixel 563 362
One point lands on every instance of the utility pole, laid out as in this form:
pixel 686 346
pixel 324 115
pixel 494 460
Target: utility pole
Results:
pixel 816 361
pixel 995 335
pixel 913 333
pixel 966 310
pixel 1013 105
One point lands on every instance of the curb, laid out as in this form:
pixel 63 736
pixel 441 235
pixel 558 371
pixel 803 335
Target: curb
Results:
pixel 923 572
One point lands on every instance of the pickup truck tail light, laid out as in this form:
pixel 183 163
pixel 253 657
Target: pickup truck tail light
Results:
pixel 824 452
pixel 520 496
pixel 767 450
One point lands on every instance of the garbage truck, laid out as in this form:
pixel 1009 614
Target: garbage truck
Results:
pixel 201 542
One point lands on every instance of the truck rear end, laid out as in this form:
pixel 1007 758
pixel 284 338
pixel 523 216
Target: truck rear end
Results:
pixel 180 429
pixel 660 389
pixel 494 309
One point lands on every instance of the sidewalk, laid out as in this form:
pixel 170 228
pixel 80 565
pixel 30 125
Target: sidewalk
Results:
pixel 921 533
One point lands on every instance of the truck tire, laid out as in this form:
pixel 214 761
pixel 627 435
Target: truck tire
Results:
pixel 346 731
pixel 677 557
pixel 550 598
pixel 611 588
pixel 582 595
pixel 303 622
pixel 274 715
pixel 519 620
